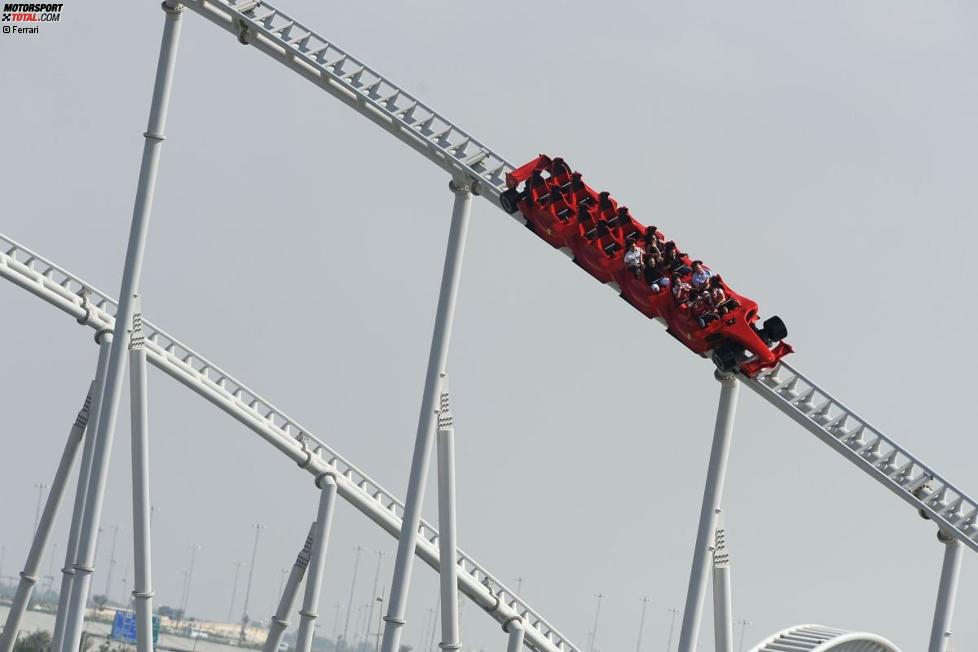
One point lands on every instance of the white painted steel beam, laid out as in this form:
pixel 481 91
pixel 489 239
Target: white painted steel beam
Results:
pixel 28 576
pixel 441 335
pixel 514 627
pixel 317 562
pixel 709 512
pixel 112 391
pixel 940 633
pixel 142 590
pixel 280 621
pixel 722 601
pixel 104 340
pixel 447 541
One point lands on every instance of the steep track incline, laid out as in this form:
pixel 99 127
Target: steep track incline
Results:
pixel 96 309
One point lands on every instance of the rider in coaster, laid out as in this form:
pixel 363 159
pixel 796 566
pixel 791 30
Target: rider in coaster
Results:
pixel 634 257
pixel 680 290
pixel 701 275
pixel 717 296
pixel 702 308
pixel 653 240
pixel 674 258
pixel 655 272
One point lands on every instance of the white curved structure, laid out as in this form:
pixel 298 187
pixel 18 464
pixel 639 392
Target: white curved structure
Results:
pixel 818 638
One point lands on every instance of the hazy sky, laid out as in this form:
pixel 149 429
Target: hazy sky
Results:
pixel 820 155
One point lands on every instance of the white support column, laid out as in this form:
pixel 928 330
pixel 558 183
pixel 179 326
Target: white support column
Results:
pixel 722 608
pixel 317 563
pixel 940 633
pixel 142 592
pixel 280 621
pixel 28 577
pixel 514 627
pixel 111 395
pixel 104 340
pixel 712 495
pixel 447 540
pixel 437 358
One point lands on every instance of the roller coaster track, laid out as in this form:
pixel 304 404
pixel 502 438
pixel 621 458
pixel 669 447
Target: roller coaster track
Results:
pixel 361 87
pixel 44 279
pixel 472 163
pixel 869 449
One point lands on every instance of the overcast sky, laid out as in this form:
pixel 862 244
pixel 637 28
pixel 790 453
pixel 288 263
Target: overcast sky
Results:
pixel 821 156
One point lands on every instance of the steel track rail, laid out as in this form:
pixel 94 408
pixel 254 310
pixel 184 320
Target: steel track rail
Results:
pixel 96 309
pixel 363 89
pixel 869 449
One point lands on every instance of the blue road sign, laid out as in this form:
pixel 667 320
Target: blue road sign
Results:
pixel 124 627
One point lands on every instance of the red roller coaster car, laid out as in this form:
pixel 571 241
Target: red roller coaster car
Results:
pixel 566 212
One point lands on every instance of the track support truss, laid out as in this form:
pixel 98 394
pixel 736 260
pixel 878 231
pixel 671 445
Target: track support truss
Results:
pixel 709 512
pixel 940 633
pixel 437 361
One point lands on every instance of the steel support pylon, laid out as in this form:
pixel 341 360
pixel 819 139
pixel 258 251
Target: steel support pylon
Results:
pixel 940 633
pixel 111 394
pixel 28 576
pixel 317 563
pixel 280 621
pixel 437 358
pixel 712 495
pixel 722 607
pixel 142 590
pixel 447 539
pixel 104 339
pixel 514 627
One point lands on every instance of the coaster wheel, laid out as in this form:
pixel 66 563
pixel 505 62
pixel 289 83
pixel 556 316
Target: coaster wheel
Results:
pixel 509 200
pixel 726 357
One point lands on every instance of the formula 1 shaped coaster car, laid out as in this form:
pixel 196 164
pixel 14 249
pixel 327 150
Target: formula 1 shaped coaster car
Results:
pixel 565 212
